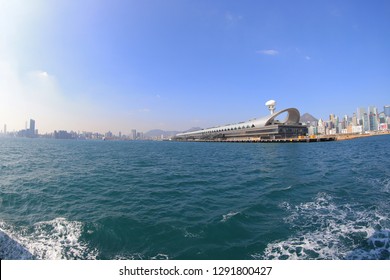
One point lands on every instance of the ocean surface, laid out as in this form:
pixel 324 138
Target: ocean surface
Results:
pixel 68 199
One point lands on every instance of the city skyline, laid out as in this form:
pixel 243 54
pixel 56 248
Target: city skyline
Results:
pixel 366 117
pixel 173 65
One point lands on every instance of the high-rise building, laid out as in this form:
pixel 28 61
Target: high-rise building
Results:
pixel 354 120
pixel 363 119
pixel 332 120
pixel 321 127
pixel 336 124
pixel 373 118
pixel 382 117
pixel 134 134
pixel 32 127
pixel 5 129
pixel 386 109
pixel 345 121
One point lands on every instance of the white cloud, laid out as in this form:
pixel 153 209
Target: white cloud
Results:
pixel 43 74
pixel 307 57
pixel 268 52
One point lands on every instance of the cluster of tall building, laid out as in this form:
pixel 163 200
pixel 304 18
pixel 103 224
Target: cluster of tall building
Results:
pixel 363 121
pixel 136 135
pixel 32 132
pixel 63 134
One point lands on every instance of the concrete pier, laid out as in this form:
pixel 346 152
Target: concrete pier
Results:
pixel 287 140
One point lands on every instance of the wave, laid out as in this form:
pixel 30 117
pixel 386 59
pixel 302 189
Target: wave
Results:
pixel 160 256
pixel 376 248
pixel 188 234
pixel 228 216
pixel 135 256
pixel 324 230
pixel 55 239
pixel 381 185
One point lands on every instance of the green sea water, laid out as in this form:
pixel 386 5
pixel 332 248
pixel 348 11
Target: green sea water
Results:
pixel 68 199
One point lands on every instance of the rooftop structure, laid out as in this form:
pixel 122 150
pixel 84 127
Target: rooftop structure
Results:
pixel 271 105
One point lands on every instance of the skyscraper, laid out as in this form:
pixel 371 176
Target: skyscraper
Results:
pixel 346 121
pixel 382 117
pixel 354 120
pixel 363 119
pixel 332 119
pixel 321 127
pixel 133 134
pixel 5 129
pixel 386 109
pixel 373 118
pixel 32 127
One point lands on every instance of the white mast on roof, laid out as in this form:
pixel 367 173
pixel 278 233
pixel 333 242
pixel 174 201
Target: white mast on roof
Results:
pixel 271 106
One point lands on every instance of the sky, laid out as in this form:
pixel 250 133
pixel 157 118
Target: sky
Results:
pixel 115 65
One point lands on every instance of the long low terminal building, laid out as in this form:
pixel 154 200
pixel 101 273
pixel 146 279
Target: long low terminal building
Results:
pixel 268 127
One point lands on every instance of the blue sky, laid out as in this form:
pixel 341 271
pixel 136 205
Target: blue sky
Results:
pixel 174 64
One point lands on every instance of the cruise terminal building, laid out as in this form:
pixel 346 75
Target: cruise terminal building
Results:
pixel 268 127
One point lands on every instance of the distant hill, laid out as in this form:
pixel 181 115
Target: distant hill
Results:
pixel 307 118
pixel 156 133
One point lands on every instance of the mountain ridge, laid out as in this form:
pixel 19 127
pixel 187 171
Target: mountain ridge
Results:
pixel 157 133
pixel 308 118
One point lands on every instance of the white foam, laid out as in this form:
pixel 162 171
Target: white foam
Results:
pixel 140 256
pixel 135 256
pixel 55 239
pixel 378 247
pixel 228 216
pixel 328 231
pixel 160 257
pixel 188 234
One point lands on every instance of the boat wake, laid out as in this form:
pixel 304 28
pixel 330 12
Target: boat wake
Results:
pixel 324 230
pixel 55 239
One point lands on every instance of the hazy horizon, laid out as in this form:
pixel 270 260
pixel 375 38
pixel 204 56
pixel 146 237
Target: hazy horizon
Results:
pixel 173 65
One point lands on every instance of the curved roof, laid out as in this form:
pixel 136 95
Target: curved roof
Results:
pixel 292 117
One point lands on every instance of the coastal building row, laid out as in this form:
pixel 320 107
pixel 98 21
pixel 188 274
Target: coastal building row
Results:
pixel 363 121
pixel 62 134
pixel 32 132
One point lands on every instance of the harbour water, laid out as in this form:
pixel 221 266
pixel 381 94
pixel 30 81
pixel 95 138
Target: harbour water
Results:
pixel 68 199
